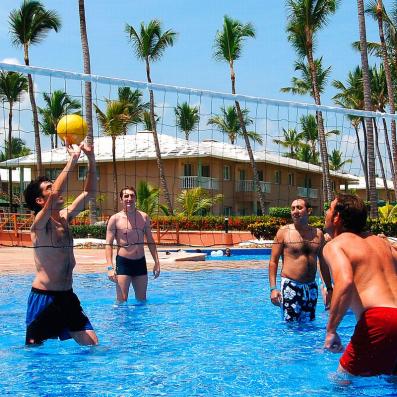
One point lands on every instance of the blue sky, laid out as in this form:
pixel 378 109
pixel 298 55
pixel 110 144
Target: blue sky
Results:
pixel 266 64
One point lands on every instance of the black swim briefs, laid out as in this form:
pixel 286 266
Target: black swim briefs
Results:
pixel 130 267
pixel 54 314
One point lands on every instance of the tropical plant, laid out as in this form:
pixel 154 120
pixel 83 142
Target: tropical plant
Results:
pixel 292 141
pixel 367 107
pixel 29 25
pixel 335 160
pixel 147 121
pixel 148 199
pixel 133 101
pixel 303 85
pixel 388 213
pixel 58 104
pixel 196 201
pixel 149 45
pixel 18 148
pixel 187 118
pixel 114 122
pixel 305 19
pixel 228 122
pixel 228 47
pixel 12 86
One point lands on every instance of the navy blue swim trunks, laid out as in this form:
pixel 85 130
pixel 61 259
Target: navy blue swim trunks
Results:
pixel 130 267
pixel 54 314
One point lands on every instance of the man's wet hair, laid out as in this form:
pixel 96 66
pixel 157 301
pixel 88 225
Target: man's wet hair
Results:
pixel 306 201
pixel 352 211
pixel 34 191
pixel 127 188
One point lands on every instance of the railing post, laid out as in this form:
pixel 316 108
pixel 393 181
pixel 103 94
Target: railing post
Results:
pixel 177 232
pixel 158 230
pixel 14 220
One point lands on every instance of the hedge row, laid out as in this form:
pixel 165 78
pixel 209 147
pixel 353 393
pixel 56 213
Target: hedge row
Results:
pixel 260 226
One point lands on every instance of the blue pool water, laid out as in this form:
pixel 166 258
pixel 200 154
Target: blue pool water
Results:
pixel 237 254
pixel 209 333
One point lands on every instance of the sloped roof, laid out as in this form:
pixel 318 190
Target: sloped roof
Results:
pixel 360 185
pixel 141 147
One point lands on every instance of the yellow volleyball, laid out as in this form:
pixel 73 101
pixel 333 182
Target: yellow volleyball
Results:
pixel 72 129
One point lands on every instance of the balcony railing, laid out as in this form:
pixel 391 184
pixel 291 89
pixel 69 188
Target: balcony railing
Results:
pixel 249 186
pixel 190 182
pixel 307 192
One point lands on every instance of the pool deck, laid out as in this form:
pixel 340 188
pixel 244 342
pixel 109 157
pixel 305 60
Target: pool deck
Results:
pixel 17 260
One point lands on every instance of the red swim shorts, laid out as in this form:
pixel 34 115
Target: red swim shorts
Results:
pixel 373 347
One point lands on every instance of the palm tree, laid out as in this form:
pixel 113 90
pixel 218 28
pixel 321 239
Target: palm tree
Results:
pixel 367 107
pixel 187 118
pixel 292 141
pixel 147 120
pixel 133 100
pixel 147 199
pixel 12 86
pixel 196 201
pixel 57 105
pixel 29 25
pixel 149 45
pixel 351 96
pixel 18 149
pixel 228 122
pixel 114 122
pixel 228 47
pixel 335 160
pixel 306 18
pixel 303 85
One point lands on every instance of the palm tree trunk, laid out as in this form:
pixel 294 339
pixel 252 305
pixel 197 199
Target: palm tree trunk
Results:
pixel 35 115
pixel 10 155
pixel 390 93
pixel 163 180
pixel 382 168
pixel 363 165
pixel 365 157
pixel 115 187
pixel 368 107
pixel 327 188
pixel 87 95
pixel 259 191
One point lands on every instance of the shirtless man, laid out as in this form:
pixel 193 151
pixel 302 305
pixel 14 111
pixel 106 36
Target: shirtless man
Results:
pixel 364 269
pixel 130 227
pixel 53 308
pixel 299 245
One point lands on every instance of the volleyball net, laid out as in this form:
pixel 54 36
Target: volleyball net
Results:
pixel 209 173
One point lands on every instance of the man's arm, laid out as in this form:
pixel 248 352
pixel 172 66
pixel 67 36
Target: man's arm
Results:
pixel 152 247
pixel 342 273
pixel 58 186
pixel 325 273
pixel 110 234
pixel 90 186
pixel 277 251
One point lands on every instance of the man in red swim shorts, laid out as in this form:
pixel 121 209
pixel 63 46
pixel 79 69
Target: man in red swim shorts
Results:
pixel 364 269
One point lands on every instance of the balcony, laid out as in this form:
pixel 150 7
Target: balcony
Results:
pixel 249 186
pixel 190 182
pixel 307 192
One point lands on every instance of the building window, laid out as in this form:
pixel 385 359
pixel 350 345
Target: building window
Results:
pixel 291 179
pixel 227 211
pixel 205 171
pixel 226 173
pixel 333 186
pixel 52 173
pixel 187 170
pixel 82 172
pixel 260 175
pixel 277 177
pixel 308 182
pixel 242 175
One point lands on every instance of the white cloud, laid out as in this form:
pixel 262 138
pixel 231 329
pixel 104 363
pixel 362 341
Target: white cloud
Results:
pixel 13 61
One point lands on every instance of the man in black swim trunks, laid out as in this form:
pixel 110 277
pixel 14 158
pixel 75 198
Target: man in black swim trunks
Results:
pixel 54 310
pixel 129 228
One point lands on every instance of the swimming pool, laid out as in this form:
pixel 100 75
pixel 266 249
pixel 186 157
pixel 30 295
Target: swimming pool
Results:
pixel 208 333
pixel 237 254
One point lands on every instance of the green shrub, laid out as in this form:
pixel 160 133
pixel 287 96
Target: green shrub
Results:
pixel 82 231
pixel 280 212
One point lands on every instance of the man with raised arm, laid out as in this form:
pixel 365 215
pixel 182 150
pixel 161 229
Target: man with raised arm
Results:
pixel 364 270
pixel 53 308
pixel 130 227
pixel 299 245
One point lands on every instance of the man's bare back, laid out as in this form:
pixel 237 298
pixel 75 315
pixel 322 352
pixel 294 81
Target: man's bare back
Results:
pixel 373 266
